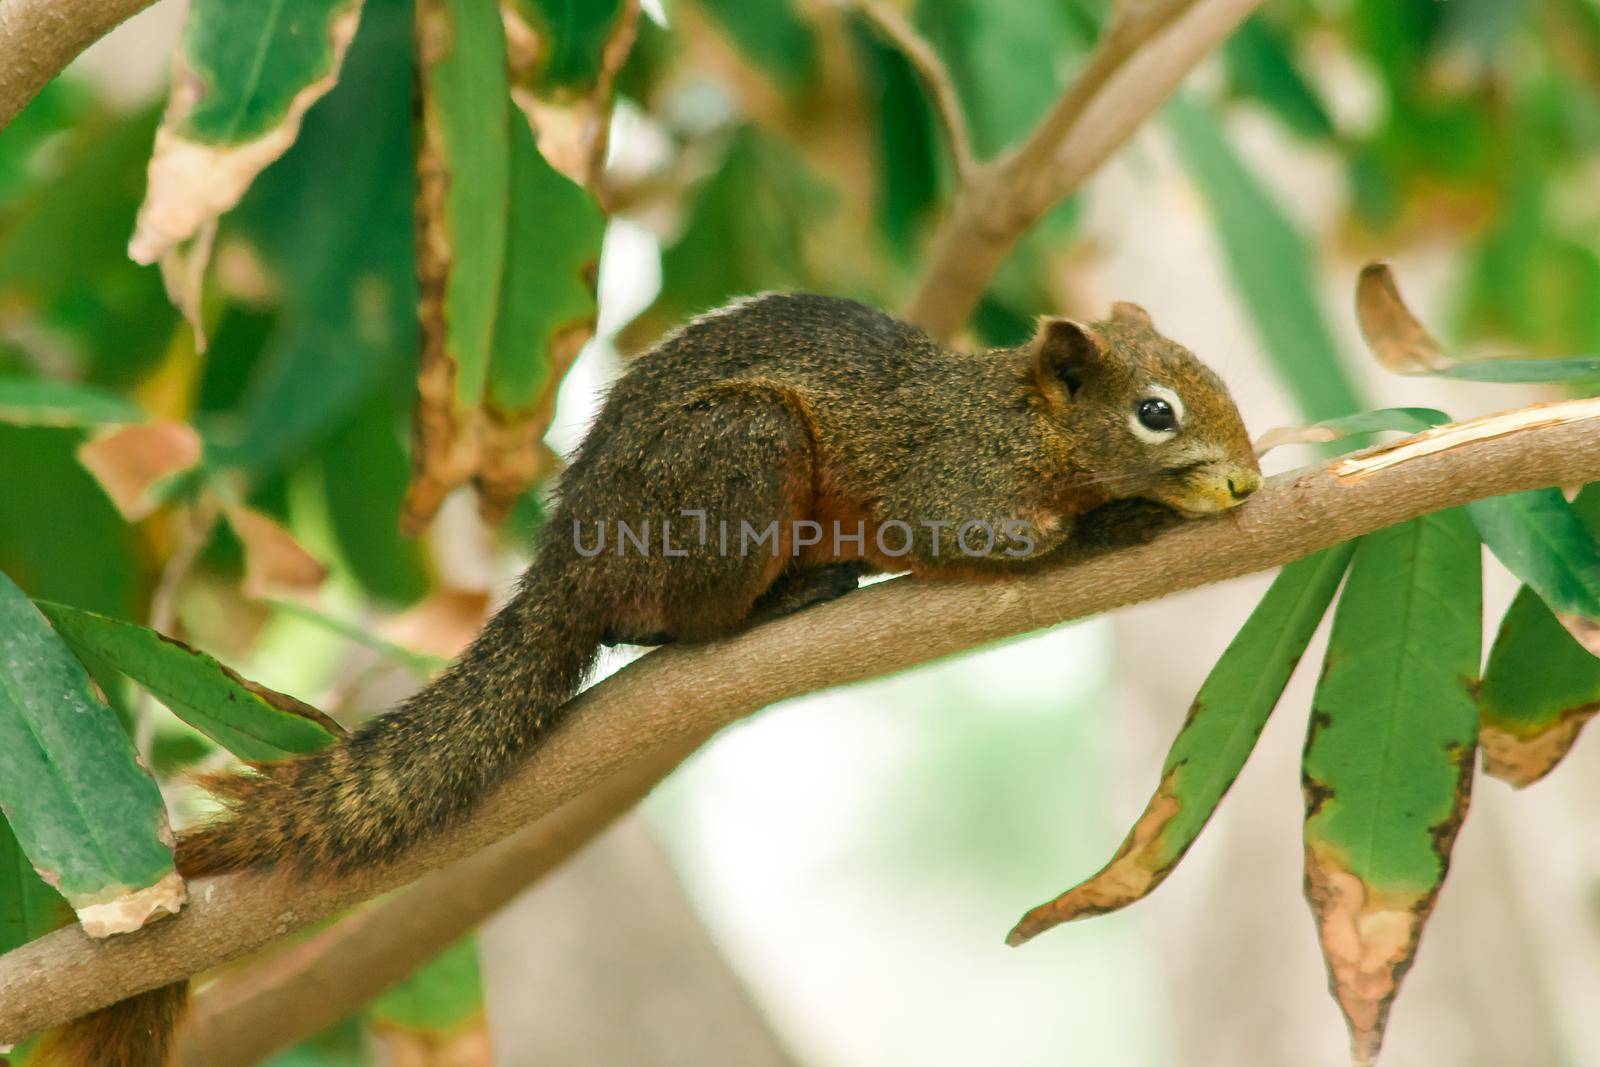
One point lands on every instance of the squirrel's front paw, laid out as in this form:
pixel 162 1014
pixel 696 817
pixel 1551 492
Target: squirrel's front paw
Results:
pixel 1122 523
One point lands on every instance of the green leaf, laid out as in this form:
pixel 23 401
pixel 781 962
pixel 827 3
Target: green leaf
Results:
pixel 45 490
pixel 1542 540
pixel 64 251
pixel 465 110
pixel 253 60
pixel 1009 59
pixel 445 994
pixel 908 160
pixel 333 222
pixel 1388 761
pixel 1273 268
pixel 1403 420
pixel 1223 724
pixel 365 468
pixel 571 41
pixel 244 77
pixel 1564 369
pixel 547 304
pixel 42 402
pixel 1261 65
pixel 1541 686
pixel 28 907
pixel 89 817
pixel 508 251
pixel 252 722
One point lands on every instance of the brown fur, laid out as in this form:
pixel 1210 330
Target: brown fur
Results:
pixel 783 407
pixel 136 1032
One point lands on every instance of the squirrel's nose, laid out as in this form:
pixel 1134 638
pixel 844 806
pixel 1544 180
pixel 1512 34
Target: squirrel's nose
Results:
pixel 1243 483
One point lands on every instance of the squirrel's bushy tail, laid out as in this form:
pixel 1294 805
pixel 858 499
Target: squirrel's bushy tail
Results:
pixel 136 1032
pixel 401 778
pixel 416 771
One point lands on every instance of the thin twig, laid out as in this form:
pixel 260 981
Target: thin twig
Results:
pixel 1135 67
pixel 935 75
pixel 38 38
pixel 675 694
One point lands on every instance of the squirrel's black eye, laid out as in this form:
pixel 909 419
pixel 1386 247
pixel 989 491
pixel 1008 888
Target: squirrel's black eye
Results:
pixel 1156 414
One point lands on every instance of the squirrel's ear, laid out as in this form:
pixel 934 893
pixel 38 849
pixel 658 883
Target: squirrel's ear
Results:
pixel 1123 309
pixel 1063 353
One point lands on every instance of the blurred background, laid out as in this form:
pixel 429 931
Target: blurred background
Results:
pixel 829 884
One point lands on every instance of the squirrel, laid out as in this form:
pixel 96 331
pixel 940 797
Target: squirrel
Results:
pixel 761 458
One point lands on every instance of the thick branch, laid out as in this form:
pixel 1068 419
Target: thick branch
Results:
pixel 676 694
pixel 1132 71
pixel 931 69
pixel 38 38
pixel 247 1016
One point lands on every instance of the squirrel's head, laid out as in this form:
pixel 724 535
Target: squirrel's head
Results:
pixel 1143 413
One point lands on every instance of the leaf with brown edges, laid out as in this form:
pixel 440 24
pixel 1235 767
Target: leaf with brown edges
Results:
pixel 1227 716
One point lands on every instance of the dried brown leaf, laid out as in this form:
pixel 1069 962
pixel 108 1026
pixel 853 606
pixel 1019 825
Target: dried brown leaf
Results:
pixel 1522 760
pixel 445 447
pixel 127 912
pixel 1399 341
pixel 274 562
pixel 1368 939
pixel 571 132
pixel 443 625
pixel 1133 873
pixel 131 463
pixel 193 183
pixel 1279 436
pixel 513 454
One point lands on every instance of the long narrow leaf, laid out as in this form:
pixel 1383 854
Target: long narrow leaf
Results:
pixel 545 315
pixel 1404 420
pixel 1543 541
pixel 1388 762
pixel 1563 369
pixel 41 402
pixel 332 221
pixel 243 78
pixel 1541 686
pixel 1271 263
pixel 1224 722
pixel 28 907
pixel 249 720
pixel 88 815
pixel 463 185
pixel 1402 344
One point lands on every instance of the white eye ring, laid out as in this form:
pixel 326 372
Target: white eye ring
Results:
pixel 1145 433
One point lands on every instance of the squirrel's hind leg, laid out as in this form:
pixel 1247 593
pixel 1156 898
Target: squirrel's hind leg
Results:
pixel 802 588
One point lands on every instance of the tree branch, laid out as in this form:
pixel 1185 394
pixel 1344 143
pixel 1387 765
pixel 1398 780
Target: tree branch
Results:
pixel 931 69
pixel 1132 71
pixel 246 1016
pixel 675 695
pixel 38 38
